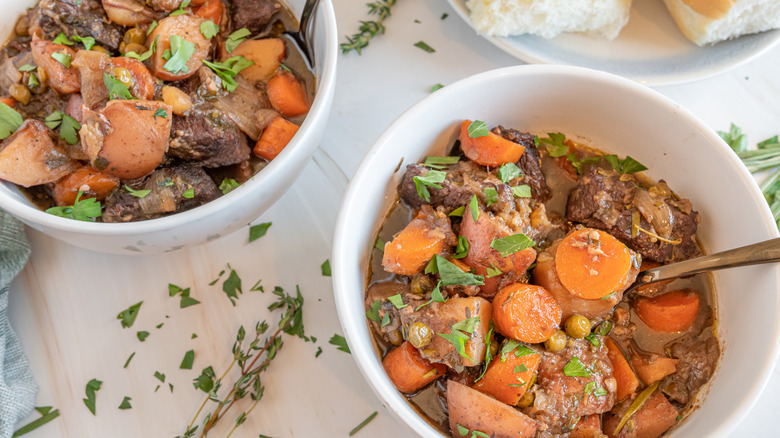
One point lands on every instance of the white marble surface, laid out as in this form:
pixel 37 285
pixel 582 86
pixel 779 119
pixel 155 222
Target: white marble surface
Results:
pixel 65 302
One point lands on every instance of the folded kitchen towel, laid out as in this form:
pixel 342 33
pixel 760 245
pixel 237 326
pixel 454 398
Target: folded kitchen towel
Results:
pixel 17 385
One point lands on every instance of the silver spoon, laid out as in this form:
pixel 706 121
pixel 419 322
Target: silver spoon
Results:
pixel 304 35
pixel 755 254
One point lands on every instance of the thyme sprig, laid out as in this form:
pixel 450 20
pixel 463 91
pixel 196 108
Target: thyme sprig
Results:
pixel 251 359
pixel 369 29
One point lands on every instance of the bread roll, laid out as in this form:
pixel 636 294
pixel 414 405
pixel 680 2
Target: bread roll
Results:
pixel 548 18
pixel 709 21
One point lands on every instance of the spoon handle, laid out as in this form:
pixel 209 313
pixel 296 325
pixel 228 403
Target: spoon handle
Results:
pixel 755 254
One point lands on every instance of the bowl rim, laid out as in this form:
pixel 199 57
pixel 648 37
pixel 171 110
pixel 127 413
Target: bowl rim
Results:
pixel 301 146
pixel 343 272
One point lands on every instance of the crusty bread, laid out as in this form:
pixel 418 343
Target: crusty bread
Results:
pixel 548 18
pixel 709 21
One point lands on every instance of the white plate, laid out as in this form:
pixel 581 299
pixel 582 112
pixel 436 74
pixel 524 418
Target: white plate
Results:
pixel 650 48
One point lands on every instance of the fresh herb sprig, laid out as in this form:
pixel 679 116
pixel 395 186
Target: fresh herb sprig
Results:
pixel 369 29
pixel 252 359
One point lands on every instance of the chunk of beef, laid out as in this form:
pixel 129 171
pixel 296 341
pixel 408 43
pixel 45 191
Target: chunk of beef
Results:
pixel 253 14
pixel 561 400
pixel 74 17
pixel 209 142
pixel 697 357
pixel 389 325
pixel 609 201
pixel 168 187
pixel 530 162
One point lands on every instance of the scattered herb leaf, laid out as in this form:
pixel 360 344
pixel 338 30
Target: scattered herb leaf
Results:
pixel 258 231
pixel 340 343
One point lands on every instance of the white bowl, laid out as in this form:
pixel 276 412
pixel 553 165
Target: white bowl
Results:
pixel 615 115
pixel 216 218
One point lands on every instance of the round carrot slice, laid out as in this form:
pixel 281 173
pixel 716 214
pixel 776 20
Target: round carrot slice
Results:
pixel 526 312
pixel 412 248
pixel 591 264
pixel 671 312
pixel 490 150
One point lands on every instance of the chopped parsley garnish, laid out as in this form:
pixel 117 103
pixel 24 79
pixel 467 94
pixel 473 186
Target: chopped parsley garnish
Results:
pixel 458 212
pixel 10 121
pixel 325 268
pixel 62 58
pixel 578 163
pixel 379 244
pixel 462 250
pixel 435 296
pixel 159 376
pixel 125 403
pixel 575 368
pixel 232 286
pixel 228 185
pixel 493 271
pixel 236 38
pixel 185 299
pixel 62 39
pixel 127 316
pixel 92 387
pixel 152 27
pixel 186 362
pixel 477 129
pixel 137 193
pixel 209 29
pixel 424 46
pixel 32 81
pixel 228 69
pixel 451 274
pixel 431 179
pixel 146 55
pixel 604 328
pixel 129 358
pixel 461 332
pixel 488 354
pixel 512 346
pixel 205 381
pixel 116 89
pixel 258 231
pixel 626 165
pixel 397 301
pixel 181 10
pixel 523 191
pixel 160 113
pixel 436 87
pixel 373 312
pixel 81 210
pixel 554 144
pixel 512 244
pixel 491 196
pixel 68 126
pixel 142 335
pixel 88 42
pixel 520 368
pixel 593 339
pixel 362 424
pixel 180 52
pixel 509 171
pixel 27 67
pixel 47 414
pixel 189 194
pixel 440 163
pixel 474 207
pixel 340 343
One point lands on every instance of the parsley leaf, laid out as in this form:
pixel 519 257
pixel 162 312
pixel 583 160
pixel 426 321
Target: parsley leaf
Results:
pixel 205 381
pixel 458 212
pixel 186 362
pixel 186 299
pixel 440 163
pixel 424 46
pixel 325 267
pixel 92 387
pixel 491 196
pixel 575 368
pixel 125 403
pixel 232 286
pixel 451 274
pixel 228 185
pixel 340 343
pixel 147 54
pixel 228 69
pixel 189 194
pixel 477 129
pixel 27 67
pixel 142 335
pixel 379 244
pixel 62 58
pixel 88 42
pixel 209 29
pixel 181 10
pixel 160 113
pixel 258 231
pixel 127 316
pixel 462 250
pixel 460 334
pixel 554 144
pixel 474 206
pixel 137 193
pixel 69 128
pixel 116 89
pixel 430 179
pixel 626 165
pixel 373 312
pixel 397 301
pixel 47 415
pixel 493 271
pixel 512 244
pixel 236 38
pixel 181 51
pixel 33 82
pixel 523 191
pixel 62 39
pixel 509 171
pixel 81 210
pixel 10 121
pixel 436 87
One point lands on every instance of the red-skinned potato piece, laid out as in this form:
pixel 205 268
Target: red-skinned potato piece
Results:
pixel 470 409
pixel 188 27
pixel 508 377
pixel 43 160
pixel 125 139
pixel 143 82
pixel 266 53
pixel 408 371
pixel 526 313
pixel 62 79
pixel 654 418
pixel 127 12
pixel 490 150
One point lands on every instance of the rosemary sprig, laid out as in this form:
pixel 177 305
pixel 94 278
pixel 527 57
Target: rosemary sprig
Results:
pixel 369 29
pixel 251 360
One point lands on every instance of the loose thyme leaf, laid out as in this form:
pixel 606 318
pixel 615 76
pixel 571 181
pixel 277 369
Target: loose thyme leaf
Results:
pixel 362 424
pixel 258 231
pixel 236 38
pixel 10 121
pixel 325 267
pixel 512 244
pixel 477 129
pixel 422 45
pixel 47 415
pixel 127 316
pixel 509 171
pixel 340 343
pixel 209 29
pixel 186 362
pixel 575 368
pixel 92 387
pixel 125 403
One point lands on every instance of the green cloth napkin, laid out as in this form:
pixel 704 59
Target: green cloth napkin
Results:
pixel 17 385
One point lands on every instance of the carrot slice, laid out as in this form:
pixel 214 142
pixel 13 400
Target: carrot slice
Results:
pixel 490 150
pixel 413 247
pixel 274 138
pixel 627 383
pixel 653 368
pixel 671 312
pixel 407 369
pixel 508 378
pixel 526 312
pixel 287 94
pixel 86 179
pixel 209 10
pixel 592 264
